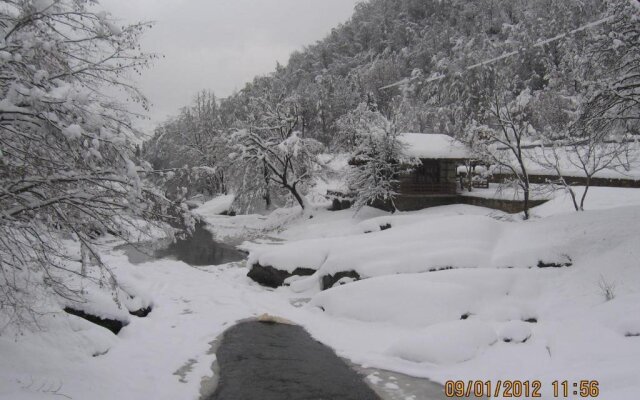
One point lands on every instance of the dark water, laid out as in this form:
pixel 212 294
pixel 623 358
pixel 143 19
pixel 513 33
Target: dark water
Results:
pixel 198 249
pixel 263 361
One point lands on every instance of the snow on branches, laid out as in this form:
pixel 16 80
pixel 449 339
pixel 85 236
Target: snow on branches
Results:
pixel 378 156
pixel 499 138
pixel 272 151
pixel 616 99
pixel 68 169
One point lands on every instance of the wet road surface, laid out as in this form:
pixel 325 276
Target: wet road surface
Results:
pixel 267 361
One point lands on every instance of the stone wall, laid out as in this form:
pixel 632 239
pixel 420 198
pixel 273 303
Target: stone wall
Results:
pixel 574 180
pixel 413 203
pixel 509 206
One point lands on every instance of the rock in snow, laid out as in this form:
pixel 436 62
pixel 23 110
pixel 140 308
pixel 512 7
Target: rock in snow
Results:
pixel 113 325
pixel 272 277
pixel 515 332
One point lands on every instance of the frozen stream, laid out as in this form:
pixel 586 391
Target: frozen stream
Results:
pixel 198 249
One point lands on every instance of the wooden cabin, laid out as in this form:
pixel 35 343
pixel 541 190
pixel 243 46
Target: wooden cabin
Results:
pixel 434 181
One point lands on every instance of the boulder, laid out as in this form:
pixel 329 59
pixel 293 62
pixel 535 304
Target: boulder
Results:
pixel 141 313
pixel 566 262
pixel 273 277
pixel 329 280
pixel 113 325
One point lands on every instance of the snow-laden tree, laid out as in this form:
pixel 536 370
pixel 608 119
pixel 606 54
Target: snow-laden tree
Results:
pixel 499 137
pixel 588 115
pixel 323 101
pixel 378 157
pixel 272 152
pixel 616 97
pixel 610 117
pixel 67 165
pixel 191 149
pixel 569 148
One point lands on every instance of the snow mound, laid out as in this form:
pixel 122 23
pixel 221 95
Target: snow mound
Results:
pixel 215 206
pixel 433 242
pixel 420 300
pixel 598 198
pixel 429 244
pixel 446 343
pixel 630 327
pixel 402 300
pixel 516 332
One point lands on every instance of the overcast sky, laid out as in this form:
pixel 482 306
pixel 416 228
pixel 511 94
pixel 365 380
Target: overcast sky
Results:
pixel 221 44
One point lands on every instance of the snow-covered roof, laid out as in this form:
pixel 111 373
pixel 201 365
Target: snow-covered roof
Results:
pixel 434 146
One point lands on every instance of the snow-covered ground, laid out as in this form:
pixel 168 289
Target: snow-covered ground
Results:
pixel 410 321
pixel 542 161
pixel 521 321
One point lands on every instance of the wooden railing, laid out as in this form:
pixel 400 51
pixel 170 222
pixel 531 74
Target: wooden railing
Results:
pixel 412 188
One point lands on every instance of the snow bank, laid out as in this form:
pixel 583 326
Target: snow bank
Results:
pixel 446 343
pixel 215 206
pixel 515 332
pixel 598 198
pixel 420 300
pixel 529 322
pixel 162 356
pixel 501 323
pixel 434 242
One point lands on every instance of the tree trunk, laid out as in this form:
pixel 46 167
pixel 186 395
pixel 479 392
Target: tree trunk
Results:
pixel 584 195
pixel 267 195
pixel 573 198
pixel 84 257
pixel 299 198
pixel 526 202
pixel 223 185
pixel 267 199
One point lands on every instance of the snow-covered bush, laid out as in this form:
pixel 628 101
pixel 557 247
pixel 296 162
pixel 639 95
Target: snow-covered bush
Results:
pixel 378 157
pixel 607 288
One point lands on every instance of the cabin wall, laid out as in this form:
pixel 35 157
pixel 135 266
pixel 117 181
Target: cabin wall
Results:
pixel 448 171
pixel 508 206
pixel 414 203
pixel 432 178
pixel 573 180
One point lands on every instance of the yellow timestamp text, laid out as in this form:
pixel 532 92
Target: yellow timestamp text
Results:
pixel 515 388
